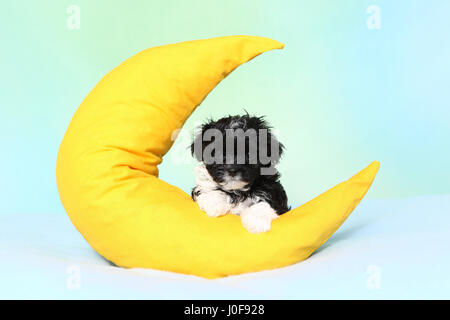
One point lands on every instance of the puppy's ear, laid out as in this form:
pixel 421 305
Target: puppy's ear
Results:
pixel 197 145
pixel 273 142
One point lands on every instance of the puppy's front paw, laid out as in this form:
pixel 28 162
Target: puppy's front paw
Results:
pixel 214 203
pixel 258 217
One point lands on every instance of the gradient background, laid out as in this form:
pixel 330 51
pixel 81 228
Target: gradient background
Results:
pixel 340 94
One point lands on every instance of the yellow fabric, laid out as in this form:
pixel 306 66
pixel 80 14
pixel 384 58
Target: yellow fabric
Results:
pixel 108 178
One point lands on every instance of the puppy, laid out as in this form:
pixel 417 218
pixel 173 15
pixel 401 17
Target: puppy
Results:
pixel 237 173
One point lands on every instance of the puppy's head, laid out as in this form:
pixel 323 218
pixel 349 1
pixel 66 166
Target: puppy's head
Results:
pixel 236 150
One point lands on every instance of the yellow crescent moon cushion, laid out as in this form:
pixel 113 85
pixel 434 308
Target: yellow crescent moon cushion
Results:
pixel 108 182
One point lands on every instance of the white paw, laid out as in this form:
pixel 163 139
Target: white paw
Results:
pixel 258 217
pixel 214 203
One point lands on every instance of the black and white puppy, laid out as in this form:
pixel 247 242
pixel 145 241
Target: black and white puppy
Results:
pixel 237 173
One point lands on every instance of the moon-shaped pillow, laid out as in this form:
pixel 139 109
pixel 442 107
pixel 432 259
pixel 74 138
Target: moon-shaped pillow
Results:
pixel 108 182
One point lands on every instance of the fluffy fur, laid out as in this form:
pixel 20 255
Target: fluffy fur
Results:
pixel 238 183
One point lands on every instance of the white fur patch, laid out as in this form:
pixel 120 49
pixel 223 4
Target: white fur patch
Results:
pixel 258 217
pixel 203 179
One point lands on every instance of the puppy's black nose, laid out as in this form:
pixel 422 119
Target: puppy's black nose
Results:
pixel 232 172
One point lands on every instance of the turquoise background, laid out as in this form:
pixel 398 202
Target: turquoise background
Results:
pixel 340 94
